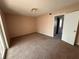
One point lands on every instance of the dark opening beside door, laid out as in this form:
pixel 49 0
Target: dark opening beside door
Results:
pixel 58 26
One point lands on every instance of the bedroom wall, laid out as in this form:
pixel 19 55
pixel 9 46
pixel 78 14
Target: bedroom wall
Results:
pixel 19 25
pixel 43 24
pixel 46 22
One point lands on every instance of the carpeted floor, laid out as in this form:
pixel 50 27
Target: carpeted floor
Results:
pixel 37 46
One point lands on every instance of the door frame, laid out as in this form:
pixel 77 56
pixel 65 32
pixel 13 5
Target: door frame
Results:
pixel 5 41
pixel 57 14
pixel 3 29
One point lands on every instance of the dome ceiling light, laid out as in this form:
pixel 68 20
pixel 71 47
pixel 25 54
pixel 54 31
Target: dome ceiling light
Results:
pixel 34 10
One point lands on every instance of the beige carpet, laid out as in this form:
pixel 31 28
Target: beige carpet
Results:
pixel 37 46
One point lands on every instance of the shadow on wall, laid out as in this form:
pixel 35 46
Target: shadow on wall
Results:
pixel 4 7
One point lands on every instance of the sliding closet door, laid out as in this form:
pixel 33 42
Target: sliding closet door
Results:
pixel 70 27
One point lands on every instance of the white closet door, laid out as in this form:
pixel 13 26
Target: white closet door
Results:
pixel 70 27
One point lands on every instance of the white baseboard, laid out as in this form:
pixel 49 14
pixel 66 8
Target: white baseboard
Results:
pixel 45 34
pixel 77 43
pixel 4 54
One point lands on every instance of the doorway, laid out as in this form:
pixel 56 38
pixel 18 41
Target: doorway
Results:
pixel 77 36
pixel 58 26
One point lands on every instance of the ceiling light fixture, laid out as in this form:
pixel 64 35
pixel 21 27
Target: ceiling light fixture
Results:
pixel 34 10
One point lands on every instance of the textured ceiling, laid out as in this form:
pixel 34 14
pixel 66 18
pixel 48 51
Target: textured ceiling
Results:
pixel 24 7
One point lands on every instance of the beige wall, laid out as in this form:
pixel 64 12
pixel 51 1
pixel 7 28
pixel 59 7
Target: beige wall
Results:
pixel 20 25
pixel 46 22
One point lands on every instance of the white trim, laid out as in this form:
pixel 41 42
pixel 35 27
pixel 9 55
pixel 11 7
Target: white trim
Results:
pixel 3 55
pixel 58 14
pixel 4 42
pixel 3 30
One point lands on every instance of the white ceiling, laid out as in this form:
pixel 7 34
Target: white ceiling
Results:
pixel 24 7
